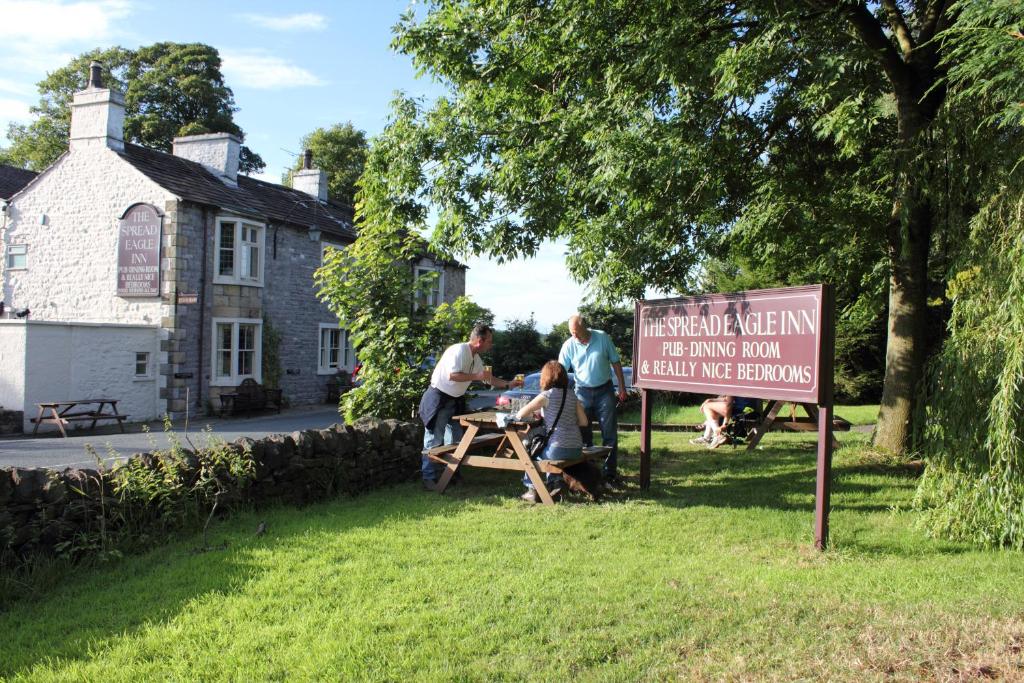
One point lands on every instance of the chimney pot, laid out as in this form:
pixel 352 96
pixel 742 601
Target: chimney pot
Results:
pixel 95 75
pixel 307 159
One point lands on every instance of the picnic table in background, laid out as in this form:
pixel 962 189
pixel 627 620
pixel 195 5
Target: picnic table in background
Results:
pixel 485 444
pixel 62 413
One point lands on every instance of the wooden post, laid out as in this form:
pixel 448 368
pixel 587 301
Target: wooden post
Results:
pixel 645 439
pixel 823 488
pixel 823 485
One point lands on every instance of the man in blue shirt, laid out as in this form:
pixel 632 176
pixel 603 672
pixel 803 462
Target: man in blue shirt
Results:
pixel 592 356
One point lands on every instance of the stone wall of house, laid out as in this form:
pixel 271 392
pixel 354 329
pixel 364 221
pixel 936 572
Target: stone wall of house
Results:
pixel 186 227
pixel 68 218
pixel 294 309
pixel 454 283
pixel 43 512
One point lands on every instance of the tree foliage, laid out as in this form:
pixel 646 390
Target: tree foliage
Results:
pixel 973 488
pixel 519 347
pixel 652 135
pixel 371 287
pixel 340 151
pixel 170 89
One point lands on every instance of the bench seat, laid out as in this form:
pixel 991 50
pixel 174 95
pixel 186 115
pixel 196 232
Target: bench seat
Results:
pixel 480 443
pixel 589 453
pixel 78 417
pixel 250 396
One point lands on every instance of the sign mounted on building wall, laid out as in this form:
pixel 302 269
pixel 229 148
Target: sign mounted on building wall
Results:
pixel 759 344
pixel 138 251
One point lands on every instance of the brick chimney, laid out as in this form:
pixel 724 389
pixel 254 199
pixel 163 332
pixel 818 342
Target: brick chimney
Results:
pixel 218 152
pixel 310 180
pixel 97 114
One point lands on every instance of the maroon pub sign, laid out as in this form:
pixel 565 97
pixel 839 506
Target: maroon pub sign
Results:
pixel 757 344
pixel 138 251
pixel 766 344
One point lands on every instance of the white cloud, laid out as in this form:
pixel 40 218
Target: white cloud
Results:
pixel 38 36
pixel 51 23
pixel 307 21
pixel 257 69
pixel 17 88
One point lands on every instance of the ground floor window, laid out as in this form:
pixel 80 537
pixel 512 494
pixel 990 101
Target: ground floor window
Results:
pixel 236 350
pixel 335 349
pixel 141 365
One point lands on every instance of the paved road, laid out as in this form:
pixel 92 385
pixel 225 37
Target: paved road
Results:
pixel 57 453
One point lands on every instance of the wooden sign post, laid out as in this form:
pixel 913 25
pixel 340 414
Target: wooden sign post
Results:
pixel 769 344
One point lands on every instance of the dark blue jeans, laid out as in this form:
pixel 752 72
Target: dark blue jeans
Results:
pixel 445 431
pixel 599 404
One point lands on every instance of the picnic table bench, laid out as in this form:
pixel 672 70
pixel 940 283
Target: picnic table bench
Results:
pixel 249 396
pixel 62 413
pixel 504 450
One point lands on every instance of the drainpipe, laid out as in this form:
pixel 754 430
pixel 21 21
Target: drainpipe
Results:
pixel 202 306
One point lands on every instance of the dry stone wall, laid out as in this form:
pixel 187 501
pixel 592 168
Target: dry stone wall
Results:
pixel 46 512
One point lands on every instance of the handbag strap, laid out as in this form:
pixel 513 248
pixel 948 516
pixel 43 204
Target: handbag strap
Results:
pixel 554 425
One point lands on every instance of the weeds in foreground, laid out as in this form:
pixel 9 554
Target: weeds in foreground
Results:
pixel 129 506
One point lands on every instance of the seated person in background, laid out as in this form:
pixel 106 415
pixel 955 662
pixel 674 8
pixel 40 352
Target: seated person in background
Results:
pixel 717 412
pixel 556 401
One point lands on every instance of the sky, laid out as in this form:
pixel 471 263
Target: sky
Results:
pixel 293 67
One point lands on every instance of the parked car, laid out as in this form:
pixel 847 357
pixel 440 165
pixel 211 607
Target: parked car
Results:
pixel 531 387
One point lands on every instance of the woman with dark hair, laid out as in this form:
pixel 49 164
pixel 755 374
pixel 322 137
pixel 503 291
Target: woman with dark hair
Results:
pixel 563 417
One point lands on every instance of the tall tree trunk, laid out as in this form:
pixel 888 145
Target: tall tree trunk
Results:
pixel 907 346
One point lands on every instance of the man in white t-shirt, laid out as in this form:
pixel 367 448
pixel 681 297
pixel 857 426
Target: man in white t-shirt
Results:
pixel 459 365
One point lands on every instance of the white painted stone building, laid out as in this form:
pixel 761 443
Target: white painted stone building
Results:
pixel 243 250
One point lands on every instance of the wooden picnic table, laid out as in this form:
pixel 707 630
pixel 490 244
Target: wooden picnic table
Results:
pixel 484 444
pixel 62 413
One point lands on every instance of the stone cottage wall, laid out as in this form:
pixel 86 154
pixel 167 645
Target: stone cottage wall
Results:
pixel 294 309
pixel 68 218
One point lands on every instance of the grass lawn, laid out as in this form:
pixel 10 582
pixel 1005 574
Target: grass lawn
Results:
pixel 710 576
pixel 665 413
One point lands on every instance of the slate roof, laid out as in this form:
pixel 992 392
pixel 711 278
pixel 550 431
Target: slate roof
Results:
pixel 12 179
pixel 191 181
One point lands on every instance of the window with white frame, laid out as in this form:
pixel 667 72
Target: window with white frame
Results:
pixel 17 256
pixel 335 349
pixel 239 252
pixel 142 365
pixel 433 295
pixel 237 350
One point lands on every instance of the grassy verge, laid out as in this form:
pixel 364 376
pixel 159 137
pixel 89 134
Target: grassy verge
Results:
pixel 710 575
pixel 674 414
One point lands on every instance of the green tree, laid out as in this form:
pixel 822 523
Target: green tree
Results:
pixel 341 151
pixel 518 348
pixel 554 339
pixel 973 488
pixel 617 321
pixel 644 132
pixel 170 89
pixel 397 342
